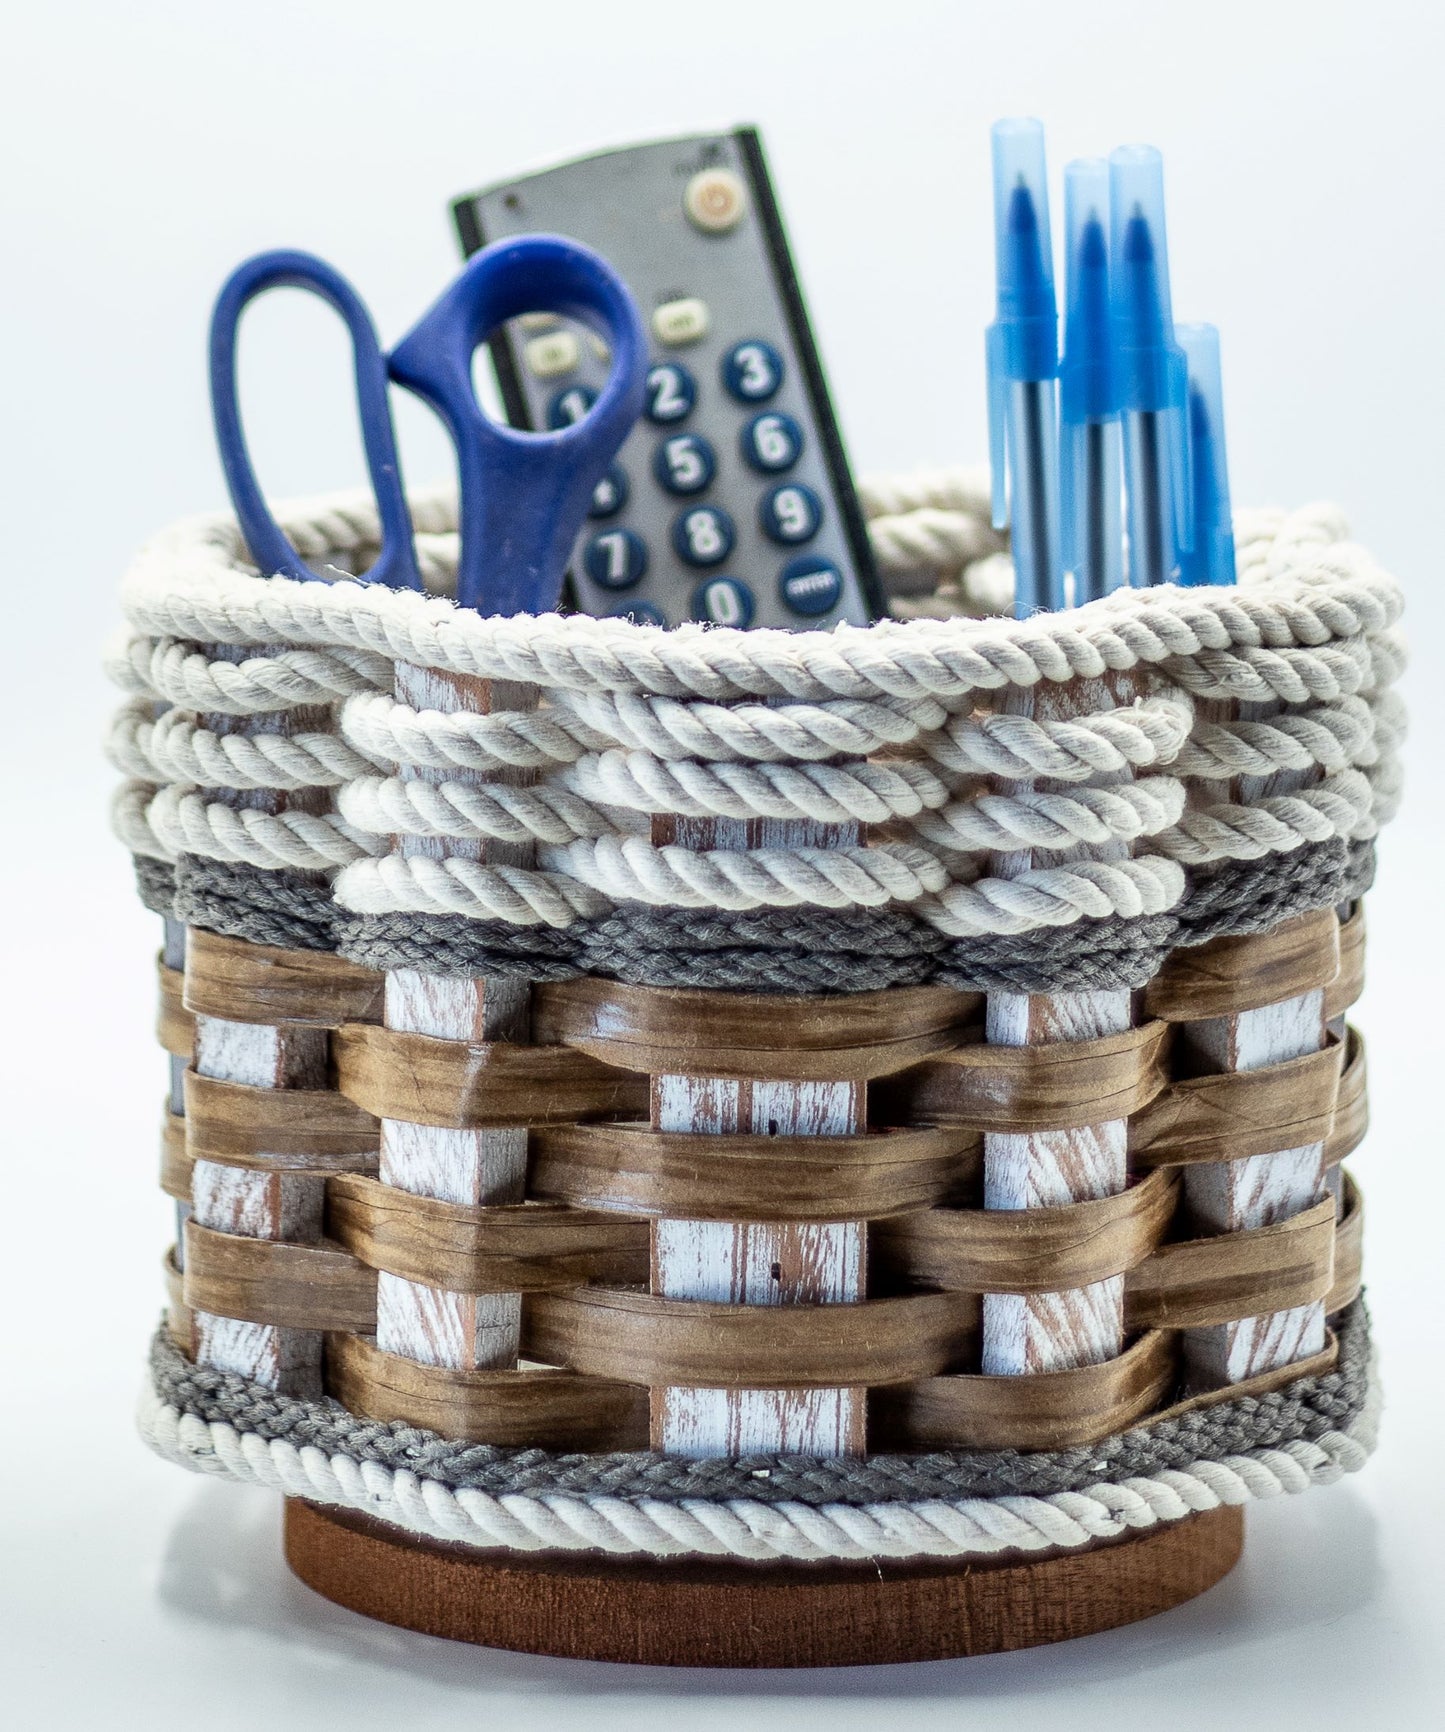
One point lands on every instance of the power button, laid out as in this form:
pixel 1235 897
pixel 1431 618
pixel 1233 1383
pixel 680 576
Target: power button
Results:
pixel 716 200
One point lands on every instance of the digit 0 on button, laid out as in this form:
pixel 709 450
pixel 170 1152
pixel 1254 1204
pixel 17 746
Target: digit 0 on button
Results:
pixel 723 601
pixel 616 559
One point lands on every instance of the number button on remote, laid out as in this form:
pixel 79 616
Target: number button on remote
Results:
pixel 568 407
pixel 723 601
pixel 703 536
pixel 791 514
pixel 752 371
pixel 671 393
pixel 810 585
pixel 684 464
pixel 616 559
pixel 772 442
pixel 610 493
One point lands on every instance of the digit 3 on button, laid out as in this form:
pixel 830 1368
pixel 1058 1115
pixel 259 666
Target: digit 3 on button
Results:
pixel 723 601
pixel 616 559
pixel 790 514
pixel 752 371
pixel 703 536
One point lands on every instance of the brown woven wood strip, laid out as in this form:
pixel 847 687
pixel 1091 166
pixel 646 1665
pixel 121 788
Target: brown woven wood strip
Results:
pixel 454 1084
pixel 175 1026
pixel 277 1130
pixel 1349 983
pixel 272 1281
pixel 751 1178
pixel 179 1325
pixel 637 1337
pixel 1316 1365
pixel 1057 1086
pixel 175 1162
pixel 1349 1245
pixel 666 1031
pixel 1234 1275
pixel 532 1409
pixel 499 1248
pixel 1352 1107
pixel 245 982
pixel 1026 1250
pixel 1245 973
pixel 1240 1113
pixel 1045 1410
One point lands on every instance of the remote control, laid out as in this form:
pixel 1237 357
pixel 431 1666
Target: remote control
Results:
pixel 731 501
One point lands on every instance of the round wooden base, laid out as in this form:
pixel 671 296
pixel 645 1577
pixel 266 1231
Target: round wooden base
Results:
pixel 696 1612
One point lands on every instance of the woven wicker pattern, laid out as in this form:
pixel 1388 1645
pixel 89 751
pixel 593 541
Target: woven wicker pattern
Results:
pixel 705 933
pixel 598 1175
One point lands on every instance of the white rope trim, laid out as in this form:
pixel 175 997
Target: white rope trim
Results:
pixel 969 1527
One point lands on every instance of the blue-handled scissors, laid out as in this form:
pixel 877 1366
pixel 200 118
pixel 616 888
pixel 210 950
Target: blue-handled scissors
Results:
pixel 523 495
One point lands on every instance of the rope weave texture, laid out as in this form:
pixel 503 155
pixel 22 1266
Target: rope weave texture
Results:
pixel 893 727
pixel 318 1451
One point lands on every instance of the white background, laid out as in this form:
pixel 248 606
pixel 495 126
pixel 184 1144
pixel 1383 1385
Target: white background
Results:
pixel 146 148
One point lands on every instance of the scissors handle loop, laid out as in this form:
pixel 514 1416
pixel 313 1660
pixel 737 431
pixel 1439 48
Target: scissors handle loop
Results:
pixel 524 496
pixel 270 547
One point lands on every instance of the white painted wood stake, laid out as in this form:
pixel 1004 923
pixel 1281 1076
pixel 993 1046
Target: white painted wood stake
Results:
pixel 1045 1169
pixel 758 1263
pixel 1231 1196
pixel 427 1324
pixel 261 1205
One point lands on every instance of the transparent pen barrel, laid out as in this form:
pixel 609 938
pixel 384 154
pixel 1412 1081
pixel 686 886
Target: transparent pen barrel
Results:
pixel 1094 508
pixel 1033 433
pixel 1150 509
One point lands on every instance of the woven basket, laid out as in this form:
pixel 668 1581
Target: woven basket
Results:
pixel 795 1099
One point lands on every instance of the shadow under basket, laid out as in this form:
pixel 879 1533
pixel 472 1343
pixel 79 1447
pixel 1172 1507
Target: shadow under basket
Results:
pixel 704 1148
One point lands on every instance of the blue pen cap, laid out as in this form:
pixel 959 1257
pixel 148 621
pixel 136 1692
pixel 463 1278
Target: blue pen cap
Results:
pixel 1023 341
pixel 1149 363
pixel 1087 390
pixel 1211 559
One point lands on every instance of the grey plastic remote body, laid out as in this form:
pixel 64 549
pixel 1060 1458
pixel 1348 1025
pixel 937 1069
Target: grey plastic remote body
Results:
pixel 731 501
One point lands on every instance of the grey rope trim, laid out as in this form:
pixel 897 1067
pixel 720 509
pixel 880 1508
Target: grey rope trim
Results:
pixel 1304 1410
pixel 1243 896
pixel 796 950
pixel 1090 954
pixel 155 882
pixel 291 909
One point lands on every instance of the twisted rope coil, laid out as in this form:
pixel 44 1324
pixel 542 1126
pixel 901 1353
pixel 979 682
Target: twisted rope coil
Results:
pixel 876 727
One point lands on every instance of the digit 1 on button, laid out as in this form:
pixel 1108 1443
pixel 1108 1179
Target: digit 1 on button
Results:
pixel 568 407
pixel 616 559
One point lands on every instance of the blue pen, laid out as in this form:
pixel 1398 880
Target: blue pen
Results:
pixel 1023 367
pixel 1090 465
pixel 1149 368
pixel 1211 558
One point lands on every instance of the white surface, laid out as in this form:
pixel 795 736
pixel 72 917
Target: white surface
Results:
pixel 147 148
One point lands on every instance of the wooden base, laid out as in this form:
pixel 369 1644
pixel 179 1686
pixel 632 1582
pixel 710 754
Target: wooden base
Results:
pixel 697 1612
